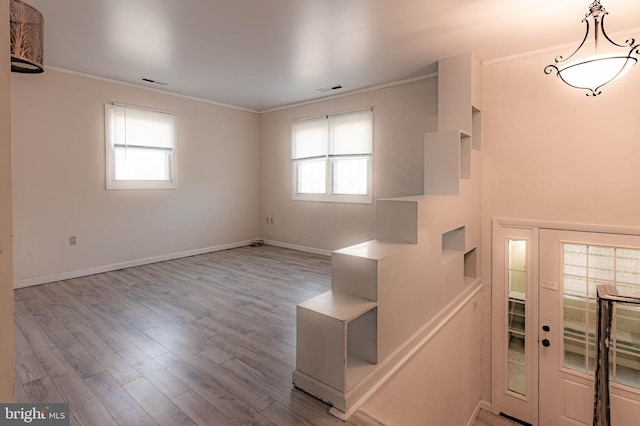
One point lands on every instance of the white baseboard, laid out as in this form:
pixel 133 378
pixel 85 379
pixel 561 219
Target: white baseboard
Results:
pixel 400 357
pixel 122 265
pixel 372 418
pixel 299 248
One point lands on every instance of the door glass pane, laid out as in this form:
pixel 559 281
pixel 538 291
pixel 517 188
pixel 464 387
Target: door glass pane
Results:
pixel 516 314
pixel 627 345
pixel 584 268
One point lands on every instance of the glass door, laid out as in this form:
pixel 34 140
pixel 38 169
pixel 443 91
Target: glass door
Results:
pixel 514 322
pixel 572 265
pixel 517 314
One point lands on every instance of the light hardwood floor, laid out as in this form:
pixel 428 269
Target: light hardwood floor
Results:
pixel 207 340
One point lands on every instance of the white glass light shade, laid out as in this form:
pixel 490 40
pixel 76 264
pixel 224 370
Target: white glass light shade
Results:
pixel 596 71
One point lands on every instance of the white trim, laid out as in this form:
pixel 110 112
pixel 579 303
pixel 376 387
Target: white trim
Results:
pixel 421 338
pixel 373 418
pixel 521 406
pixel 122 265
pixel 171 160
pixel 329 158
pixel 568 226
pixel 353 92
pixel 151 89
pixel 397 360
pixel 145 108
pixel 482 405
pixel 535 226
pixel 339 199
pixel 555 48
pixel 220 104
pixel 299 248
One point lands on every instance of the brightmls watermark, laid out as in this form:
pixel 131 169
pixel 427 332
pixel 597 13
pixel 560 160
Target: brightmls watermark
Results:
pixel 40 414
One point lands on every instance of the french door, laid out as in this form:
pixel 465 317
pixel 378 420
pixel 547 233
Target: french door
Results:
pixel 572 264
pixel 544 322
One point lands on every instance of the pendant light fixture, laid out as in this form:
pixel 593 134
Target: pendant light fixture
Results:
pixel 590 71
pixel 27 31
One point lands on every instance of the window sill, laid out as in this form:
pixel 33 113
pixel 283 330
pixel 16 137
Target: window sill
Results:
pixel 344 199
pixel 140 184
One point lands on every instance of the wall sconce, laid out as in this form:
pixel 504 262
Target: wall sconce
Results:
pixel 27 32
pixel 594 71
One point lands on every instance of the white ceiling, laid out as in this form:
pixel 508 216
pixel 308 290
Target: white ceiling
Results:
pixel 262 54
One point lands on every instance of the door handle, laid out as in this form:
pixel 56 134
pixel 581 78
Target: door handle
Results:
pixel 546 343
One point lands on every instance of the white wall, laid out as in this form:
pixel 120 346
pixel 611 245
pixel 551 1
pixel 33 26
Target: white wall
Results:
pixel 59 182
pixel 6 264
pixel 551 153
pixel 554 153
pixel 401 116
pixel 441 384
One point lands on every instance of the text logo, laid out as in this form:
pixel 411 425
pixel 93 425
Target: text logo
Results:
pixel 40 414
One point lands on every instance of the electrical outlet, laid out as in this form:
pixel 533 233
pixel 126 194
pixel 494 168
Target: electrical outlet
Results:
pixel 73 240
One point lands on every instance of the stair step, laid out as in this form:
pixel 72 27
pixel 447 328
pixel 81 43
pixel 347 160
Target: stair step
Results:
pixel 374 249
pixel 340 306
pixel 337 344
pixel 354 270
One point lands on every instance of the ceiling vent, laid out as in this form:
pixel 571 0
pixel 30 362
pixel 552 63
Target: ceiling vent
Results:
pixel 330 89
pixel 152 81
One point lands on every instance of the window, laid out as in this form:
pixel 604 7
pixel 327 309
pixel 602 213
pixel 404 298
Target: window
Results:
pixel 517 315
pixel 584 268
pixel 331 157
pixel 140 148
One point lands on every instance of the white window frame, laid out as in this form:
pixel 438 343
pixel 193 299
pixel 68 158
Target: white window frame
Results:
pixel 329 159
pixel 110 145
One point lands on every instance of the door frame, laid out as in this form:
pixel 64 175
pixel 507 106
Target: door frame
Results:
pixel 522 407
pixel 502 400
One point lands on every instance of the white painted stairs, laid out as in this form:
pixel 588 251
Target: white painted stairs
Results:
pixel 425 254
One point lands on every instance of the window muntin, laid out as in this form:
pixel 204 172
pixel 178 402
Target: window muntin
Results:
pixel 584 268
pixel 140 148
pixel 331 157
